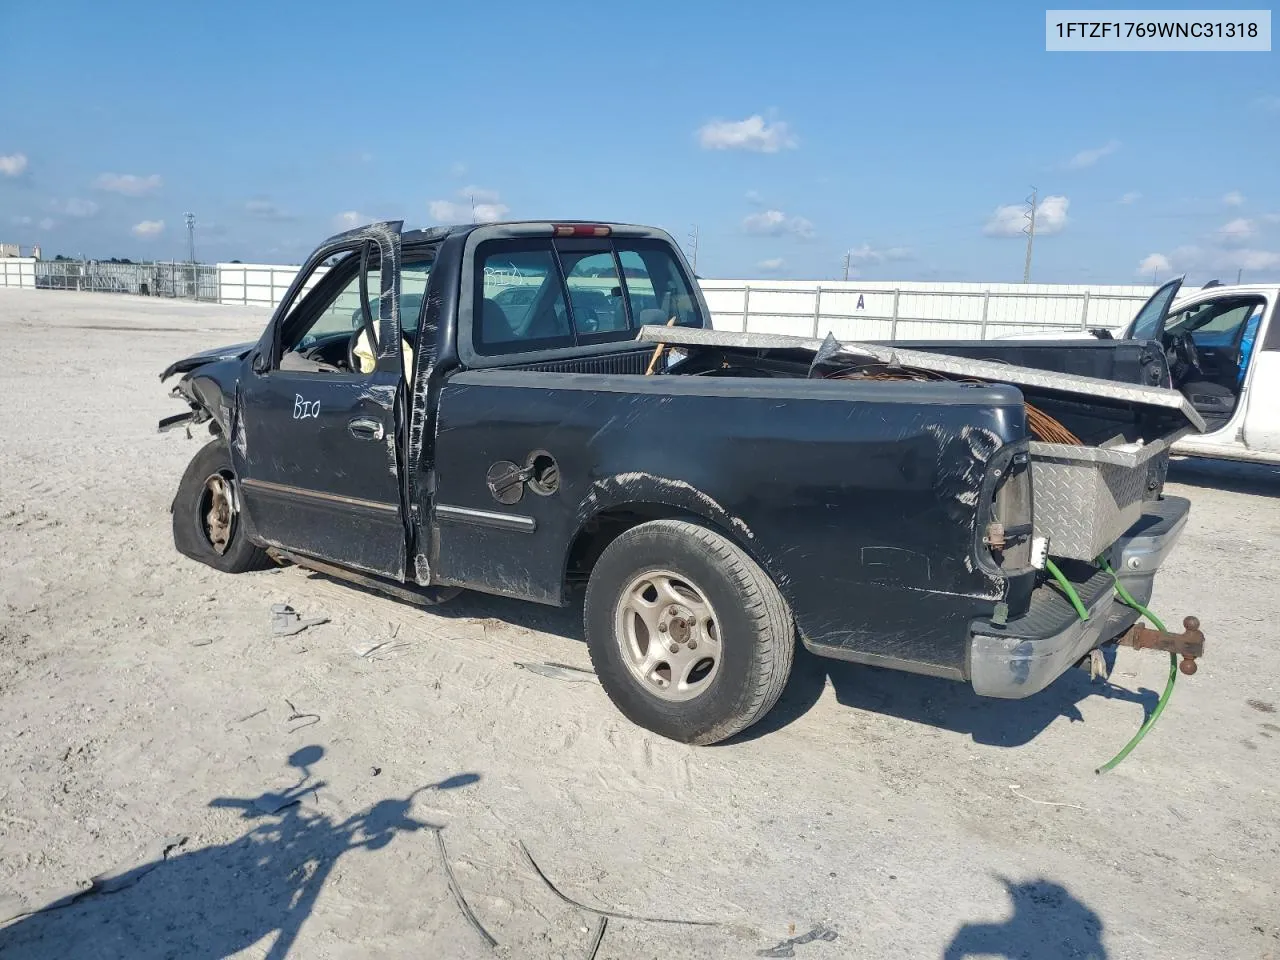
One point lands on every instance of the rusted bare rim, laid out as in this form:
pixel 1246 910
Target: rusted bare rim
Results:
pixel 218 512
pixel 668 634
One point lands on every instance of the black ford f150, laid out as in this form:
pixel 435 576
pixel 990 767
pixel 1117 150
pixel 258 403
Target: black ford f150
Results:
pixel 523 408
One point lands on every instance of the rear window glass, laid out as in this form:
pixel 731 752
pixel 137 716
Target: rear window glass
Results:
pixel 595 293
pixel 656 287
pixel 538 294
pixel 520 305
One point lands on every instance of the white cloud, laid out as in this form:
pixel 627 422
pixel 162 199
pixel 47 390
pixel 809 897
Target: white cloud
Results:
pixel 752 134
pixel 1224 262
pixel 868 254
pixel 48 223
pixel 1133 196
pixel 479 194
pixel 1154 263
pixel 1233 199
pixel 447 211
pixel 1087 158
pixel 1236 232
pixel 1271 103
pixel 771 221
pixel 350 219
pixel 1270 218
pixel 775 223
pixel 21 221
pixel 13 164
pixel 129 184
pixel 478 205
pixel 772 265
pixel 1010 220
pixel 148 228
pixel 753 196
pixel 459 169
pixel 1255 260
pixel 75 207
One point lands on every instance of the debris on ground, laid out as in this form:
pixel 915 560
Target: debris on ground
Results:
pixel 313 718
pixel 559 671
pixel 787 948
pixel 286 622
pixel 455 888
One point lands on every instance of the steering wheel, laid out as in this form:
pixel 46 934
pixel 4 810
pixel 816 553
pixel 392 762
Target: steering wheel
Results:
pixel 353 361
pixel 1184 348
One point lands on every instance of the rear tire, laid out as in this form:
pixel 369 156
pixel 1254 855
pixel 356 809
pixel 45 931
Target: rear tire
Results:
pixel 207 524
pixel 689 637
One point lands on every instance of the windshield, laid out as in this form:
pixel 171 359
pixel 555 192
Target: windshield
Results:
pixel 1149 323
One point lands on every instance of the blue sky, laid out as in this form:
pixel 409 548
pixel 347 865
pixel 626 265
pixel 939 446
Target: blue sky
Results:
pixel 790 133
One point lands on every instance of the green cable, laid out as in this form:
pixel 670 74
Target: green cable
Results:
pixel 1173 672
pixel 1067 588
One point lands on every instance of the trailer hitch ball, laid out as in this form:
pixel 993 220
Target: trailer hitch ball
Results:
pixel 1188 645
pixel 1188 663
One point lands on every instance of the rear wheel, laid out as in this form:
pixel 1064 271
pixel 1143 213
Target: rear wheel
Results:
pixel 689 637
pixel 206 514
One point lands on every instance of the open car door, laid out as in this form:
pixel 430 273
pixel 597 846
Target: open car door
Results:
pixel 1148 323
pixel 314 441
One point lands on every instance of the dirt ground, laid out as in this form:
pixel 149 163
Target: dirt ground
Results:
pixel 153 727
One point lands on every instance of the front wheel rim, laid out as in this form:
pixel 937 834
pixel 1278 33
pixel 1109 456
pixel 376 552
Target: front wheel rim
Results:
pixel 668 635
pixel 217 512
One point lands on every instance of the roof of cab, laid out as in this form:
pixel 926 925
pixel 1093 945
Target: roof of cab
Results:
pixel 428 234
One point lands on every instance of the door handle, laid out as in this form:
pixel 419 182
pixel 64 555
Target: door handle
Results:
pixel 366 428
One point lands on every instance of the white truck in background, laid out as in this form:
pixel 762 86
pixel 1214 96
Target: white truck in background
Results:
pixel 1223 345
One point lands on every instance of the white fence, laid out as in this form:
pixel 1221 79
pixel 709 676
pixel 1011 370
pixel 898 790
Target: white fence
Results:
pixel 885 310
pixel 18 272
pixel 853 310
pixel 255 284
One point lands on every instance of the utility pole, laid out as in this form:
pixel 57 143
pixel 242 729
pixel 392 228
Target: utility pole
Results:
pixel 846 266
pixel 1030 231
pixel 191 234
pixel 693 242
pixel 1239 274
pixel 472 198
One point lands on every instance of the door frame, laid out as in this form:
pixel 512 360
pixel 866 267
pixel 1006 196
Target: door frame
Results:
pixel 264 359
pixel 1233 434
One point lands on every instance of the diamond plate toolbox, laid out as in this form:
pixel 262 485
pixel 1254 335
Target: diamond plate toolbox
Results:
pixel 1086 497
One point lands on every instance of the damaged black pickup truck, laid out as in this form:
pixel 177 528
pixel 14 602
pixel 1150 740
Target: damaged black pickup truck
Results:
pixel 524 408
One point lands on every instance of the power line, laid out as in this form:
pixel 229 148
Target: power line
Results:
pixel 1030 231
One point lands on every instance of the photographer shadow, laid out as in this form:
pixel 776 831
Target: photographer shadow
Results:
pixel 216 901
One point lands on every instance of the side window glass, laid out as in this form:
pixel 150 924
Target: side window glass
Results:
pixel 519 302
pixel 595 293
pixel 318 331
pixel 343 314
pixel 656 286
pixel 1223 325
pixel 414 275
pixel 310 283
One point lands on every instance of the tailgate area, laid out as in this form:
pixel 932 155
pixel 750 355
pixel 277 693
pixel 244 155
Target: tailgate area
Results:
pixel 1026 654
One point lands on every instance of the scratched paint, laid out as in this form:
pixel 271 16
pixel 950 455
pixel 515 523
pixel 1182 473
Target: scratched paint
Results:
pixel 681 490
